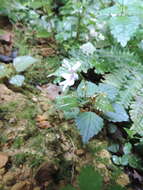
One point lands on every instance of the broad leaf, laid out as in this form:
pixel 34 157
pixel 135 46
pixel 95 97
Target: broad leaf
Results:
pixel 116 187
pixel 120 160
pixel 89 124
pixel 17 80
pixel 87 89
pixel 123 28
pixel 68 187
pixel 68 102
pixel 109 90
pixel 21 63
pixel 114 148
pixel 90 179
pixel 127 148
pixel 103 104
pixel 119 115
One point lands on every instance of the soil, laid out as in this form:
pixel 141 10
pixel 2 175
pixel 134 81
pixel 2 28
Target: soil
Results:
pixel 39 149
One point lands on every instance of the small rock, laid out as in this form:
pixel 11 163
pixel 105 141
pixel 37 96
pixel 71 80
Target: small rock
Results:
pixel 23 185
pixel 123 180
pixel 3 159
pixel 9 178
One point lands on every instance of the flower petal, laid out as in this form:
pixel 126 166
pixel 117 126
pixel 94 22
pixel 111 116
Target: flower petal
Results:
pixel 76 66
pixel 66 76
pixel 66 64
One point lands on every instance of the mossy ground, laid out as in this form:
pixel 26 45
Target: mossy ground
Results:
pixel 59 142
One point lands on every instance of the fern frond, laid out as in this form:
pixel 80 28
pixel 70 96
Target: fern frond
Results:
pixel 117 78
pixel 117 55
pixel 131 89
pixel 136 114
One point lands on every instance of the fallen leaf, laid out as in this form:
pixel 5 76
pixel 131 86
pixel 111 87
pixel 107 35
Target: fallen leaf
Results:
pixel 42 122
pixel 40 118
pixel 7 37
pixel 3 159
pixel 51 90
pixel 44 125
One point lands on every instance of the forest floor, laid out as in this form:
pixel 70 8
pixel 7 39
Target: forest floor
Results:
pixel 39 148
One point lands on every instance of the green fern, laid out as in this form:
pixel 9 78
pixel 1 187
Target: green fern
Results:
pixel 129 92
pixel 136 114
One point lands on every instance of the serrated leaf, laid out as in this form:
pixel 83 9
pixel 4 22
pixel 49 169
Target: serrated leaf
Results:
pixel 21 63
pixel 123 28
pixel 103 104
pixel 108 89
pixel 66 103
pixel 89 124
pixel 87 89
pixel 90 179
pixel 17 80
pixel 72 113
pixel 119 115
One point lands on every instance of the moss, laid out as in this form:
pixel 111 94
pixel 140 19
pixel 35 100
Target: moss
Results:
pixel 37 73
pixel 18 142
pixel 19 158
pixel 35 160
pixel 116 172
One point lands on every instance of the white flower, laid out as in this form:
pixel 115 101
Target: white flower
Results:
pixel 71 74
pixel 93 33
pixel 88 48
pixel 101 37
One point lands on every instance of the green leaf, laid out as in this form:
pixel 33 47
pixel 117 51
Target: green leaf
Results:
pixel 119 115
pixel 127 148
pixel 21 63
pixel 103 104
pixel 17 80
pixel 90 179
pixel 68 102
pixel 109 90
pixel 72 113
pixel 120 160
pixel 89 124
pixel 123 28
pixel 42 33
pixel 87 89
pixel 68 187
pixel 116 187
pixel 135 162
pixel 114 148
